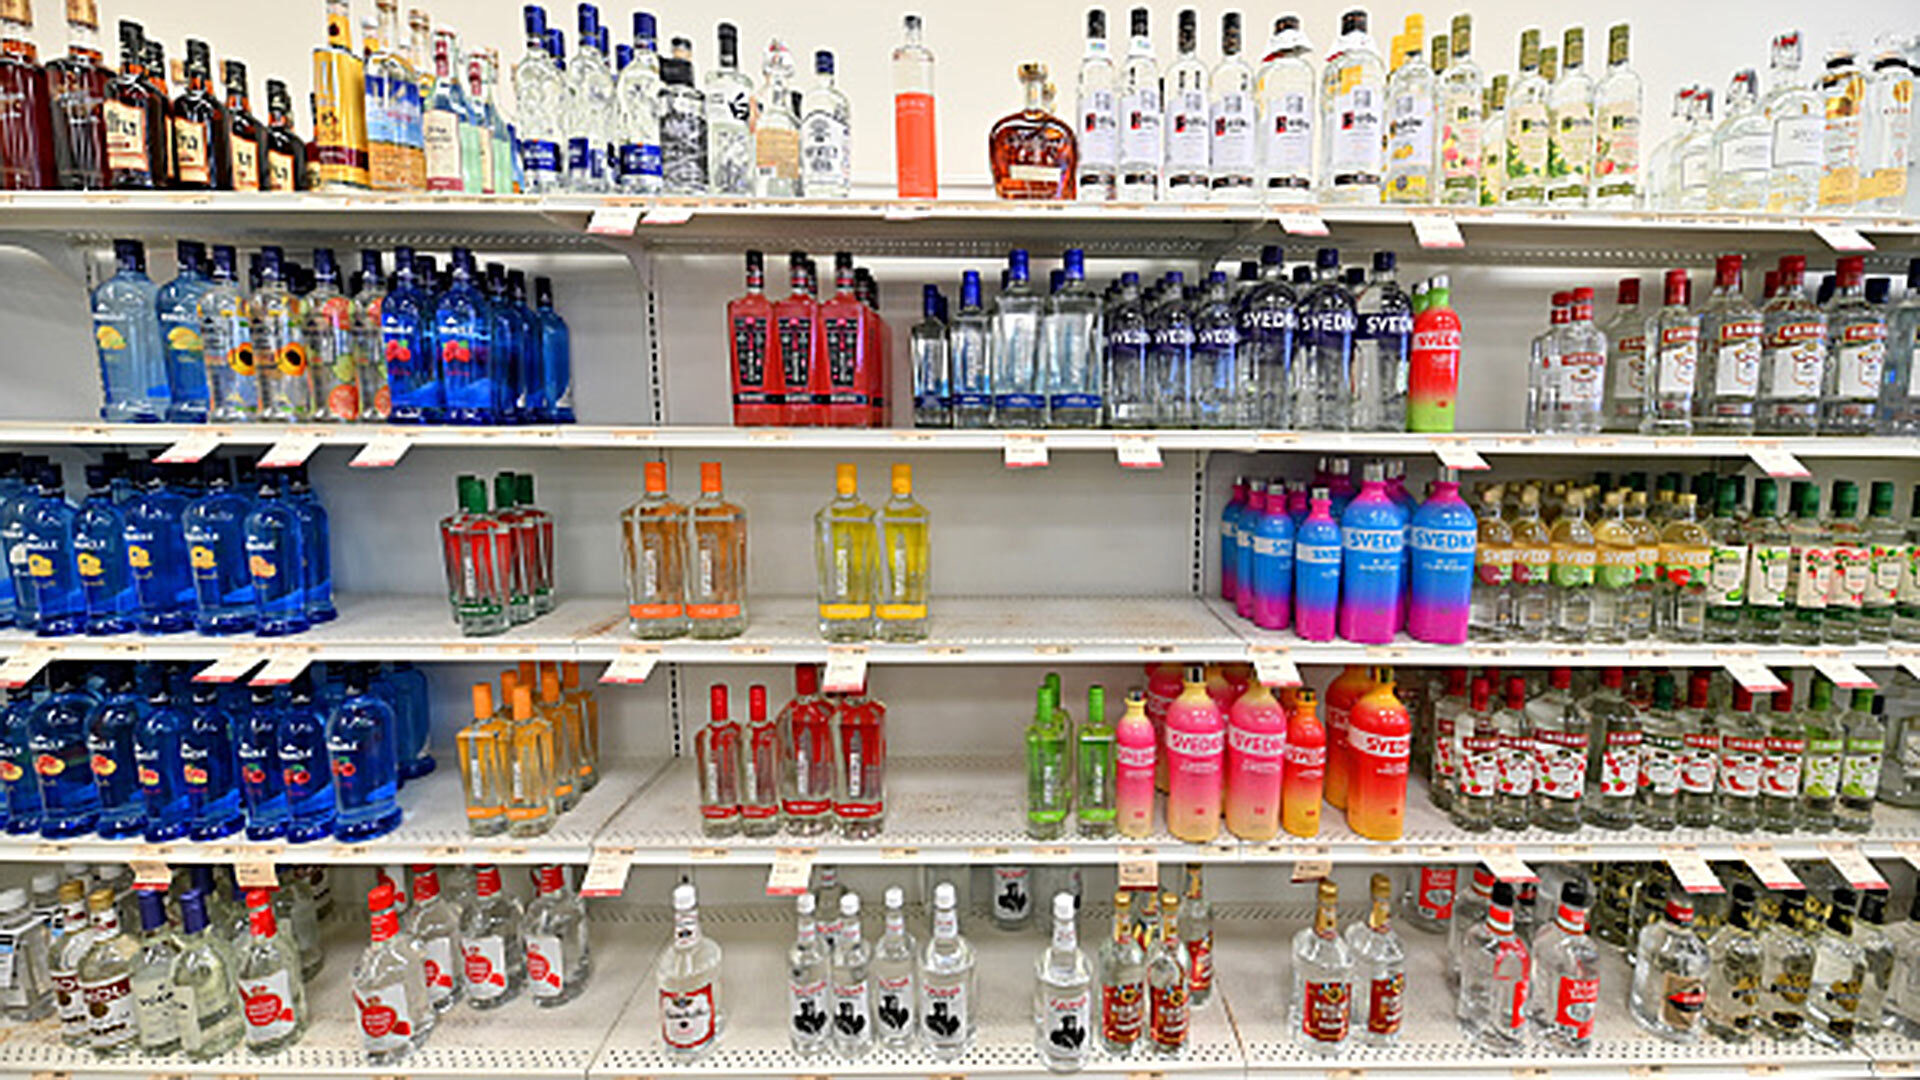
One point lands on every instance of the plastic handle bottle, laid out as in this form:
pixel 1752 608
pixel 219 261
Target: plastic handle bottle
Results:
pixel 1444 540
pixel 1256 757
pixel 1316 571
pixel 1304 780
pixel 1272 563
pixel 1380 736
pixel 1133 759
pixel 1196 747
pixel 1373 544
pixel 1341 696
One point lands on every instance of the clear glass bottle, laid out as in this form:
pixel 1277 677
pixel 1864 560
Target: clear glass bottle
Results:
pixel 27 992
pixel 1352 115
pixel 1070 330
pixel 1185 86
pixel 1693 155
pixel 1614 732
pixel 126 330
pixel 1493 143
pixel 1381 966
pixel 158 1009
pixel 1839 977
pixel 1742 154
pixel 1014 357
pixel 1794 361
pixel 1532 568
pixel 1842 88
pixel 1686 562
pixel 1527 127
pixel 1142 150
pixel 808 1013
pixel 279 344
pixel 729 97
pixel 1286 91
pixel 1461 93
pixel 1097 114
pixel 1662 744
pixel 1123 983
pixel 688 976
pixel 894 960
pixel 1495 967
pixel 849 986
pixel 103 976
pixel 559 958
pixel 904 558
pixel 826 135
pixel 1732 1011
pixel 1323 972
pixel 1852 570
pixel 273 994
pixel 1798 118
pixel 493 956
pixel 1887 151
pixel 1411 93
pixel 1571 102
pixel 844 555
pixel 1565 981
pixel 1560 735
pixel 683 124
pixel 946 982
pixel 931 366
pixel 1673 335
pixel 1865 738
pixel 1617 181
pixel 1730 333
pixel 716 561
pixel 1857 351
pixel 1786 971
pixel 1235 127
pixel 1670 974
pixel 1063 994
pixel 433 930
pixel 1575 559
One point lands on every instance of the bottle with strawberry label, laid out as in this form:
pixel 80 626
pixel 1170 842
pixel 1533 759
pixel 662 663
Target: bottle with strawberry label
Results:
pixel 272 995
pixel 390 993
pixel 433 923
pixel 1699 754
pixel 1513 788
pixel 558 958
pixel 492 956
pixel 1428 902
pixel 1743 749
pixel 1478 765
pixel 1560 755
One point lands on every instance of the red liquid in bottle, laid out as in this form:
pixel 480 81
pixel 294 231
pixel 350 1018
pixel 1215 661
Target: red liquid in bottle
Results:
pixel 26 105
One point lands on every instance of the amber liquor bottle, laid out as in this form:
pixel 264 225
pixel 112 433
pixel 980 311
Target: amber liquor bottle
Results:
pixel 136 119
pixel 1034 154
pixel 286 153
pixel 26 116
pixel 78 81
pixel 246 138
pixel 200 133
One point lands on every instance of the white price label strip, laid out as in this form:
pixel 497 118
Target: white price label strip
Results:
pixel 1456 455
pixel 1437 231
pixel 607 872
pixel 22 666
pixel 614 221
pixel 1506 865
pixel 1854 866
pixel 1137 452
pixel 630 669
pixel 1841 237
pixel 1302 223
pixel 1311 869
pixel 229 667
pixel 151 875
pixel 1769 867
pixel 1843 673
pixel 292 450
pixel 846 670
pixel 792 869
pixel 1755 676
pixel 1139 873
pixel 1691 870
pixel 1774 460
pixel 1026 451
pixel 1276 670
pixel 189 450
pixel 668 215
pixel 382 452
pixel 282 669
pixel 255 874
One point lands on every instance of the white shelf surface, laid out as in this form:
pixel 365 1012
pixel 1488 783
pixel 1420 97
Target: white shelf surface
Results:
pixel 556 1044
pixel 434 830
pixel 726 437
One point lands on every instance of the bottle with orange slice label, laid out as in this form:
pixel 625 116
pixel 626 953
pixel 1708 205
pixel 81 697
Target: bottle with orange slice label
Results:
pixel 276 559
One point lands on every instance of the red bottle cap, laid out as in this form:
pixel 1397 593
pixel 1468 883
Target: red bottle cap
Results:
pixel 1612 677
pixel 426 883
pixel 1726 272
pixel 656 473
pixel 806 680
pixel 1629 292
pixel 717 698
pixel 756 703
pixel 1849 270
pixel 1516 692
pixel 486 880
pixel 1679 289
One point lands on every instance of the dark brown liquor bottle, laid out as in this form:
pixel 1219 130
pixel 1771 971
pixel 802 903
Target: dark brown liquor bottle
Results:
pixel 247 139
pixel 136 119
pixel 200 127
pixel 26 105
pixel 286 153
pixel 1032 153
pixel 79 84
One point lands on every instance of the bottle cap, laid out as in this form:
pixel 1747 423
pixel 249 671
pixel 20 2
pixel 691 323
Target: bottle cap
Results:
pixel 656 477
pixel 1062 905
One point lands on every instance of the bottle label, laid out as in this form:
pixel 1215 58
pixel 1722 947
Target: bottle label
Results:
pixel 1742 760
pixel 1822 777
pixel 1289 140
pixel 438 954
pixel 1410 147
pixel 126 127
pixel 1678 357
pixel 1573 567
pixel 546 966
pixel 1526 151
pixel 1619 568
pixel 1384 1003
pixel 1859 355
pixel 190 156
pixel 1357 144
pixel 386 1022
pixel 641 159
pixel 687 1017
pixel 1531 564
pixel 823 151
pixel 1796 353
pixel 1884 565
pixel 1561 763
pixel 1121 1008
pixel 851 1010
pixel 1140 114
pixel 483 963
pixel 1012 899
pixel 1727 576
pixel 1799 141
pixel 280 171
pixel 268 1003
pixel 1617 149
pixel 1233 129
pixel 1736 369
pixel 1699 756
pixel 1200 954
pixel 945 1018
pixel 1516 762
pixel 1685 567
pixel 1768 570
pixel 1067 1021
pixel 1323 1015
pixel 1480 766
pixel 108 1012
pixel 893 1012
pixel 1460 139
pixel 441 130
pixel 1860 768
pixel 1620 765
pixel 1187 131
pixel 1847 582
pixel 1780 772
pixel 1574 1003
pixel 1660 764
pixel 1435 893
pixel 1099 129
pixel 1580 378
pixel 1492 564
pixel 1812 566
pixel 1682 997
pixel 1168 1014
pixel 156 1004
pixel 1752 153
pixel 1570 145
pixel 1630 368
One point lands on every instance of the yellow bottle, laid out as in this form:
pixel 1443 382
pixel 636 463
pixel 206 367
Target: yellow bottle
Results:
pixel 587 703
pixel 530 769
pixel 906 563
pixel 483 766
pixel 566 756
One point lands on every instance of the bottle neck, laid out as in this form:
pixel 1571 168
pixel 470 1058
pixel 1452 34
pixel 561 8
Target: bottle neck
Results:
pixel 1036 95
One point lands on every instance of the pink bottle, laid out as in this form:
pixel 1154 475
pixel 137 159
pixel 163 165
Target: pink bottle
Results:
pixel 1163 685
pixel 1256 748
pixel 1133 759
pixel 1196 746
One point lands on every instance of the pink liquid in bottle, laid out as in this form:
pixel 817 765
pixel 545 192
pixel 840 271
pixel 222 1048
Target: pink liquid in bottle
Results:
pixel 1196 746
pixel 1256 748
pixel 1133 758
pixel 1163 685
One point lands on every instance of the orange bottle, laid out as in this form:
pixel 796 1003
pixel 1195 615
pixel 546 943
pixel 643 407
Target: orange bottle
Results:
pixel 1341 695
pixel 1301 785
pixel 1380 738
pixel 915 159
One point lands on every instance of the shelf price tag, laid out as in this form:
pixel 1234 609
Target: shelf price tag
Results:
pixel 283 668
pixel 190 449
pixel 22 666
pixel 607 871
pixel 1458 455
pixel 1276 669
pixel 1302 223
pixel 151 875
pixel 1841 237
pixel 791 871
pixel 630 668
pixel 1137 451
pixel 1138 870
pixel 846 669
pixel 255 874
pixel 1774 460
pixel 294 448
pixel 667 215
pixel 1437 231
pixel 1841 672
pixel 1691 870
pixel 1026 451
pixel 1769 867
pixel 614 221
pixel 1505 864
pixel 1755 676
pixel 382 452
pixel 230 667
pixel 1853 865
pixel 1312 869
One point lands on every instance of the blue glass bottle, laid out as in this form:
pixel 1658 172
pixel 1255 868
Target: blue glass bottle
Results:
pixel 1170 359
pixel 506 338
pixel 22 785
pixel 209 767
pixel 1267 324
pixel 46 525
pixel 463 344
pixel 411 700
pixel 156 747
pixel 116 768
pixel 10 489
pixel 263 791
pixel 300 733
pixel 13 530
pixel 361 740
pixel 126 332
pixel 529 376
pixel 556 353
pixel 1323 357
pixel 215 526
pixel 406 315
pixel 317 536
pixel 57 742
pixel 100 558
pixel 157 559
pixel 178 307
pixel 277 559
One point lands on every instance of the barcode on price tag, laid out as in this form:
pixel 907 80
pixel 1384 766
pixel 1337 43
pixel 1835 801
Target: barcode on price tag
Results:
pixel 614 221
pixel 1691 870
pixel 382 452
pixel 846 670
pixel 292 450
pixel 792 869
pixel 1505 864
pixel 1437 231
pixel 151 875
pixel 1774 460
pixel 607 871
pixel 1854 866
pixel 630 669
pixel 1769 867
pixel 1026 452
pixel 1755 676
pixel 189 450
pixel 1137 452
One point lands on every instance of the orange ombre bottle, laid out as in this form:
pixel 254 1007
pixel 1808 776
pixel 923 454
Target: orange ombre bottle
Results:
pixel 1302 783
pixel 1380 738
pixel 1341 695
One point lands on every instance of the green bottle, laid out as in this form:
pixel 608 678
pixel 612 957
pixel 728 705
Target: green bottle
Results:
pixel 1826 740
pixel 1049 777
pixel 1094 744
pixel 1865 732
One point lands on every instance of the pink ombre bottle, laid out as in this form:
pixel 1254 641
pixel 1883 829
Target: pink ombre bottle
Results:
pixel 1133 760
pixel 1163 685
pixel 1256 505
pixel 1256 751
pixel 1196 748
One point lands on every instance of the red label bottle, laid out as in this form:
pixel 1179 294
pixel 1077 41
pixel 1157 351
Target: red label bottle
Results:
pixel 757 386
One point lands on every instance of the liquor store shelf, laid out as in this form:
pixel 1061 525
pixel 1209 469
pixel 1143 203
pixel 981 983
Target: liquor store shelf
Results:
pixel 965 630
pixel 889 226
pixel 390 443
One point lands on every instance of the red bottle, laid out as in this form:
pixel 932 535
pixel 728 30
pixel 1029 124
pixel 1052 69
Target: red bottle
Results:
pixel 78 82
pixel 1380 740
pixel 796 336
pixel 760 784
pixel 849 376
pixel 806 756
pixel 1303 781
pixel 881 388
pixel 26 105
pixel 136 119
pixel 757 387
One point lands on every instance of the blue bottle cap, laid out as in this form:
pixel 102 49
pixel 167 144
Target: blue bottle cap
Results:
pixel 1056 279
pixel 970 289
pixel 370 262
pixel 193 911
pixel 1271 255
pixel 535 19
pixel 589 21
pixel 1217 277
pixel 556 44
pixel 1327 258
pixel 462 259
pixel 1130 278
pixel 153 910
pixel 622 54
pixel 1017 265
pixel 1878 289
pixel 125 250
pixel 644 28
pixel 270 257
pixel 823 62
pixel 97 479
pixel 930 301
pixel 1076 264
pixel 1175 277
pixel 324 268
pixel 190 253
pixel 1382 261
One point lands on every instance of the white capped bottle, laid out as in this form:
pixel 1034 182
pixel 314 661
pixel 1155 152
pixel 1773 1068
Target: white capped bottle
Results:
pixel 807 1011
pixel 688 975
pixel 850 993
pixel 1798 118
pixel 946 982
pixel 1063 994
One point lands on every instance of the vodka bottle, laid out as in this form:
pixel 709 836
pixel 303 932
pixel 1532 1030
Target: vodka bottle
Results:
pixel 1730 331
pixel 1902 1008
pixel 1216 374
pixel 1839 975
pixel 1825 745
pixel 1786 972
pixel 1726 574
pixel 390 992
pixel 1900 389
pixel 1769 564
pixel 1323 355
pixel 157 1006
pixel 1575 559
pixel 1196 930
pixel 1235 128
pixel 1570 125
pixel 1461 99
pixel 1663 182
pixel 946 982
pixel 559 960
pixel 1527 125
pixel 1267 325
pixel 1170 357
pixel 1186 176
pixel 590 107
pixel 1742 156
pixel 969 348
pixel 1626 334
pixel 1782 765
pixel 1793 368
pixel 1670 973
pixel 1732 1010
pixel 492 955
pixel 1615 571
pixel 807 970
pixel 1097 110
pixel 540 95
pixel 1478 767
pixel 1797 116
pixel 1843 90
pixel 1069 333
pixel 1876 944
pixel 1851 573
pixel 1887 150
pixel 433 925
pixel 1617 177
pixel 1495 968
pixel 1673 334
pixel 1582 369
pixel 1513 788
pixel 849 994
pixel 1693 157
pixel 1543 368
pixel 1857 347
pixel 1123 983
pixel 1686 557
pixel 1382 349
pixel 826 133
pixel 1352 116
pixel 636 96
pixel 776 129
pixel 1742 765
pixel 1287 113
pixel 894 959
pixel 1493 143
pixel 1699 756
pixel 688 974
pixel 1380 966
pixel 1140 115
pixel 1063 994
pixel 684 134
pixel 729 105
pixel 932 372
pixel 1532 567
pixel 1323 976
pixel 1662 744
pixel 1490 617
pixel 1169 984
pixel 1887 555
pixel 1019 400
pixel 272 992
pixel 1410 123
pixel 1469 912
pixel 1614 729
pixel 1565 991
pixel 1864 741
pixel 1560 736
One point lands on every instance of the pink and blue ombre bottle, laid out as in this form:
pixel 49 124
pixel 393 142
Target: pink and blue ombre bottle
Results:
pixel 1230 540
pixel 1272 564
pixel 1441 549
pixel 1316 571
pixel 1397 491
pixel 1243 547
pixel 1373 540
